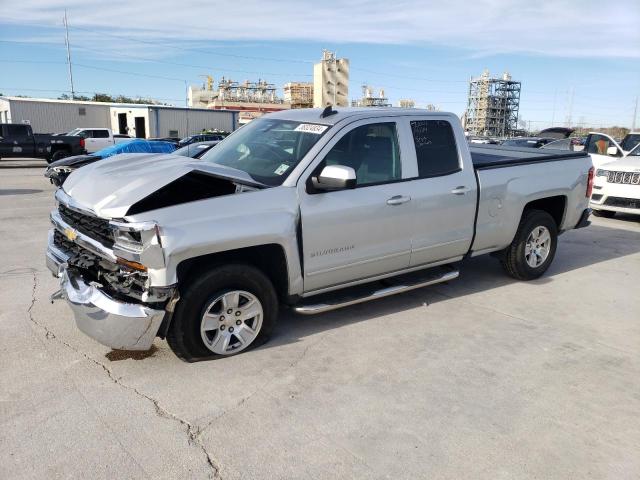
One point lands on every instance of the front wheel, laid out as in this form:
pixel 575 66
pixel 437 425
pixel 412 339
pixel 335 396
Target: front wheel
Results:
pixel 224 311
pixel 533 247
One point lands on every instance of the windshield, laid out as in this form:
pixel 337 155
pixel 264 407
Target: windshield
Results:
pixel 630 141
pixel 266 149
pixel 564 144
pixel 635 152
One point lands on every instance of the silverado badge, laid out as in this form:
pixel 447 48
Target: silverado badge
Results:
pixel 70 233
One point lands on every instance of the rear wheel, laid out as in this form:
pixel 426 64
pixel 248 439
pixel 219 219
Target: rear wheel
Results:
pixel 604 213
pixel 533 247
pixel 225 311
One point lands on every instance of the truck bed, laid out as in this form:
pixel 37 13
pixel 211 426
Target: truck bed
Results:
pixel 496 156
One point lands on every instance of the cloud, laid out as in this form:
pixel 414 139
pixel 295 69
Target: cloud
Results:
pixel 570 28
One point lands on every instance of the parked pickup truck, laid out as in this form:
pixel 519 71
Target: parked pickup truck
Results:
pixel 313 209
pixel 18 140
pixel 98 138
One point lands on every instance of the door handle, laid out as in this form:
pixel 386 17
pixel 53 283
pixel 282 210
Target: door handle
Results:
pixel 461 190
pixel 398 200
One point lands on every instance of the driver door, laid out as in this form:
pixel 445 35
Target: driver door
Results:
pixel 354 234
pixel 597 145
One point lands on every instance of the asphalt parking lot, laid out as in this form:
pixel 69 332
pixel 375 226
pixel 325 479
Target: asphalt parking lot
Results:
pixel 483 378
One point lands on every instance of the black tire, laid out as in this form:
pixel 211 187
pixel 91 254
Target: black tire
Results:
pixel 513 259
pixel 57 155
pixel 184 337
pixel 604 213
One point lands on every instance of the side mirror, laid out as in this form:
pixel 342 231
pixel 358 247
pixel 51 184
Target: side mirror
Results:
pixel 612 151
pixel 335 177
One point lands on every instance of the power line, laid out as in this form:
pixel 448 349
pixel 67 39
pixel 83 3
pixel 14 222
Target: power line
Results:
pixel 148 75
pixel 194 49
pixel 168 62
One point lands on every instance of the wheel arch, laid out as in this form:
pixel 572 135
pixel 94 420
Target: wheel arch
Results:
pixel 269 258
pixel 555 206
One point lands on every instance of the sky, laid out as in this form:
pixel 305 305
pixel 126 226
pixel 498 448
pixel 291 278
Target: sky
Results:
pixel 578 60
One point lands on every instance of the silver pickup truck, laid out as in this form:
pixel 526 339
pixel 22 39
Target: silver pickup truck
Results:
pixel 313 209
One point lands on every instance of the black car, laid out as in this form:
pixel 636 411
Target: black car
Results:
pixel 527 142
pixel 200 137
pixel 174 140
pixel 58 171
pixel 196 150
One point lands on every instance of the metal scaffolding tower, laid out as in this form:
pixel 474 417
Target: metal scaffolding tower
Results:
pixel 492 107
pixel 370 100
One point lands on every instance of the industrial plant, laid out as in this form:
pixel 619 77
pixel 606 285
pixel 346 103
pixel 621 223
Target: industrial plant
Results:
pixel 492 106
pixel 369 99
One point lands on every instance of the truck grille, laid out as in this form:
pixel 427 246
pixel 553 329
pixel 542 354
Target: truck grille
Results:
pixel 94 227
pixel 629 178
pixel 111 277
pixel 623 202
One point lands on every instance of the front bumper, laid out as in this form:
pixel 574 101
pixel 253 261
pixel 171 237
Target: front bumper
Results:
pixel 615 197
pixel 116 324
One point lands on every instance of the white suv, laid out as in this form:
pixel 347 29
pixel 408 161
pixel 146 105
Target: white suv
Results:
pixel 617 186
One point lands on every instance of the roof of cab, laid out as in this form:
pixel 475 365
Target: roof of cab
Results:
pixel 314 115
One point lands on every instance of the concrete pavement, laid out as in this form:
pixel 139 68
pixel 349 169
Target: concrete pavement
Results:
pixel 481 378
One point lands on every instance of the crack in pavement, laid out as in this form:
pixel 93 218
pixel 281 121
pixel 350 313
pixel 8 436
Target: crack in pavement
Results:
pixel 262 388
pixel 193 431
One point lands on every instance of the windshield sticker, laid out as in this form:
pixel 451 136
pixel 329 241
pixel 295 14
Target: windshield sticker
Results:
pixel 311 128
pixel 281 169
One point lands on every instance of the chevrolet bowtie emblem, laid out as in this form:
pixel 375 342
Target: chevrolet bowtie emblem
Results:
pixel 70 233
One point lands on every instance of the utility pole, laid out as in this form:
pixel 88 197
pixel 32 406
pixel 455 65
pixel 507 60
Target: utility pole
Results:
pixel 66 42
pixel 186 104
pixel 635 113
pixel 569 120
pixel 335 78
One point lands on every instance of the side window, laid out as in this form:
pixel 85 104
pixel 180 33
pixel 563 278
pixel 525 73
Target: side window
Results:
pixel 436 150
pixel 17 131
pixel 371 150
pixel 598 144
pixel 100 134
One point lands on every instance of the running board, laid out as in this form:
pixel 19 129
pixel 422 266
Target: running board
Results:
pixel 375 290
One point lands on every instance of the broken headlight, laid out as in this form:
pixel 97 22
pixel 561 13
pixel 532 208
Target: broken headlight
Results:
pixel 138 245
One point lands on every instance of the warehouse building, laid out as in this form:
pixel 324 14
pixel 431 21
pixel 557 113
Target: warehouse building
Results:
pixel 137 120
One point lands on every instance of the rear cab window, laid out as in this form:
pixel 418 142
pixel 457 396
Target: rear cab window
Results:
pixel 100 134
pixel 436 149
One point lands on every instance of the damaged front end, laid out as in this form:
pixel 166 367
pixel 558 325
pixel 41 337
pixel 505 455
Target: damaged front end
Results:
pixel 106 271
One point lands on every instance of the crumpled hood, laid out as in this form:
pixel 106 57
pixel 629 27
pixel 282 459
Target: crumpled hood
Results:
pixel 625 164
pixel 111 186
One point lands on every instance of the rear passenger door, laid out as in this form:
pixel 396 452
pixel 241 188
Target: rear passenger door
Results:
pixel 94 140
pixel 101 139
pixel 443 192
